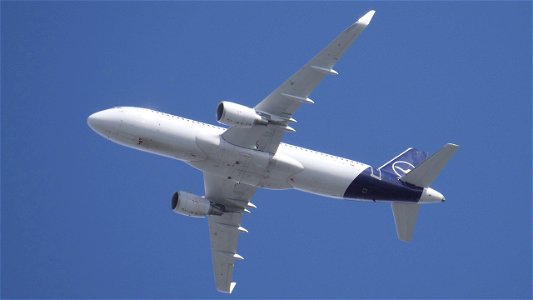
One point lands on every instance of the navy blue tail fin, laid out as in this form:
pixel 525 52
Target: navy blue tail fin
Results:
pixel 405 162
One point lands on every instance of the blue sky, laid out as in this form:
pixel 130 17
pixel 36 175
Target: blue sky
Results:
pixel 83 217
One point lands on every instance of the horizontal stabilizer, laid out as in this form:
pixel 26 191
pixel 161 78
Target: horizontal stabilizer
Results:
pixel 424 174
pixel 405 214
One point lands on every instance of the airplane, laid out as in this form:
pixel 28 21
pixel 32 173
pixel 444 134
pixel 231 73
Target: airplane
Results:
pixel 235 161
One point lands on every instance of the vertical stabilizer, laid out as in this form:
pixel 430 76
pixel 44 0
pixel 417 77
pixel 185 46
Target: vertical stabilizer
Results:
pixel 405 214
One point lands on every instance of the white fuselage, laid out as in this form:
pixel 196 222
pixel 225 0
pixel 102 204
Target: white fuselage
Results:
pixel 201 146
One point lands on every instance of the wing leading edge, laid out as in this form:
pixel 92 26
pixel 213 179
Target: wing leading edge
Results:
pixel 283 102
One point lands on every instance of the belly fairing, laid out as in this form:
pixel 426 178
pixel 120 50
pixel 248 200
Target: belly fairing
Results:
pixel 229 161
pixel 248 166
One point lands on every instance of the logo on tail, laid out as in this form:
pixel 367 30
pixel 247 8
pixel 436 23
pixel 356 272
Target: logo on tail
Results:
pixel 401 167
pixel 405 162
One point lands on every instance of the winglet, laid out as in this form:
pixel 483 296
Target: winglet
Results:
pixel 366 18
pixel 228 291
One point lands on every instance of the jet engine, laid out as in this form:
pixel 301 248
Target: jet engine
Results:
pixel 194 206
pixel 233 114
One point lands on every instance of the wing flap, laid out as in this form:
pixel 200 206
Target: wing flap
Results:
pixel 224 230
pixel 232 194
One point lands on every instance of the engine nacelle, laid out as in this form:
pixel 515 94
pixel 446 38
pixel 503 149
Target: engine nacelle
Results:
pixel 193 206
pixel 233 114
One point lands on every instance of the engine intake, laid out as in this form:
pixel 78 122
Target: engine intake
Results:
pixel 233 114
pixel 193 206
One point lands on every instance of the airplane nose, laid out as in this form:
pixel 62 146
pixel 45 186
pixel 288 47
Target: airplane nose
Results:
pixel 92 120
pixel 101 121
pixel 95 121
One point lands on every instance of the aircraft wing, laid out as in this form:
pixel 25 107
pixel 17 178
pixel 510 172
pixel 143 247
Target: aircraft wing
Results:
pixel 283 102
pixel 224 230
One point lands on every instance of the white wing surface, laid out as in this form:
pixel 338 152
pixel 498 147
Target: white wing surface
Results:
pixel 281 104
pixel 224 230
